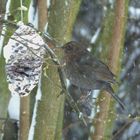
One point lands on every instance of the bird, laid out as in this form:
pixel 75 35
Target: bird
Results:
pixel 85 71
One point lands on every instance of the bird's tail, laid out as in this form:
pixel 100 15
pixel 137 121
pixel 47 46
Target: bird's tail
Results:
pixel 111 91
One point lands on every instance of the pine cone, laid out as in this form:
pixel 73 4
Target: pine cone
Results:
pixel 24 55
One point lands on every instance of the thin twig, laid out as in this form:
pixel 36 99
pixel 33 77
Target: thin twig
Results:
pixel 63 82
pixel 9 23
pixel 21 11
pixel 122 129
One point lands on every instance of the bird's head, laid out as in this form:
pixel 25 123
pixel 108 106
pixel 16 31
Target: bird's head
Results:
pixel 72 48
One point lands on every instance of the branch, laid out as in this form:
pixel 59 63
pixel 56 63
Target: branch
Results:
pixel 116 40
pixel 63 82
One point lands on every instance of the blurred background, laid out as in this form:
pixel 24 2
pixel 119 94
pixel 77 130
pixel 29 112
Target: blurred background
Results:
pixel 92 28
pixel 90 23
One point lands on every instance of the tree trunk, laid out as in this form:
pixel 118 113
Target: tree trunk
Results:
pixel 103 121
pixel 50 108
pixel 42 14
pixel 24 117
pixel 4 92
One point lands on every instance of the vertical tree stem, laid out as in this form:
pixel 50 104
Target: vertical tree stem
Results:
pixel 24 118
pixel 117 40
pixel 42 14
pixel 50 109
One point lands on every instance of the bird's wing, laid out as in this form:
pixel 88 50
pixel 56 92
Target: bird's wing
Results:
pixel 92 67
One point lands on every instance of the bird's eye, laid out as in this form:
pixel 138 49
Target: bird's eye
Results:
pixel 69 48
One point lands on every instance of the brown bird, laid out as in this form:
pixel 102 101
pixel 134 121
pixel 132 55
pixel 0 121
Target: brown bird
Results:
pixel 87 72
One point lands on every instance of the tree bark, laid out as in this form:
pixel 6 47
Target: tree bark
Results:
pixel 24 117
pixel 62 17
pixel 4 92
pixel 50 108
pixel 103 120
pixel 42 14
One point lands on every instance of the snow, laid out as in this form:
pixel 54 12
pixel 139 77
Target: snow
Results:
pixel 48 3
pixel 66 2
pixel 111 2
pixel 132 58
pixel 67 82
pixel 132 131
pixel 7 51
pixel 14 107
pixel 33 15
pixel 46 27
pixel 95 94
pixel 95 36
pixel 83 32
pixel 134 12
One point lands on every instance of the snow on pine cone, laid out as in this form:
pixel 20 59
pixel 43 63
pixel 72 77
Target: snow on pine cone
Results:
pixel 24 55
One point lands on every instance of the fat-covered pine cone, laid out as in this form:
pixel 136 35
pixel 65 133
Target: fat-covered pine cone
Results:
pixel 24 55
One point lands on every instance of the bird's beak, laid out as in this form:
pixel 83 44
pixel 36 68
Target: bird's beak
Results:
pixel 63 47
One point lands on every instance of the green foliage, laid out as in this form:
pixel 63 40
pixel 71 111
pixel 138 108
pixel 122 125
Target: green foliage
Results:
pixel 16 12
